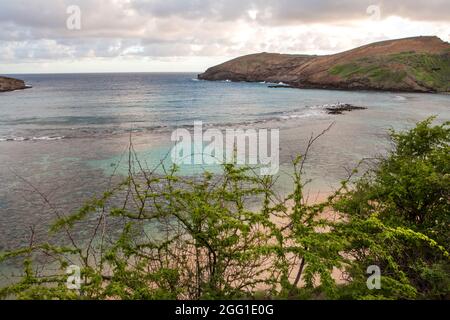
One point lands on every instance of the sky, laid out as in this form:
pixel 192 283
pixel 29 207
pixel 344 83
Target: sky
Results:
pixel 58 36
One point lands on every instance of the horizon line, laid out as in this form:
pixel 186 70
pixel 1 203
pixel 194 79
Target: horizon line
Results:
pixel 107 72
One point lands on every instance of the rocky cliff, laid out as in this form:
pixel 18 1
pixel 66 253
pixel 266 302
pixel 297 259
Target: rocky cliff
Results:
pixel 419 64
pixel 10 84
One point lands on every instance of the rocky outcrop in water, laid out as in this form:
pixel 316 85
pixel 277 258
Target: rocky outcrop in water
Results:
pixel 342 107
pixel 11 84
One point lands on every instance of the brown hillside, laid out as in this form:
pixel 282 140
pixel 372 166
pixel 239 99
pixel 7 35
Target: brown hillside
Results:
pixel 412 64
pixel 10 84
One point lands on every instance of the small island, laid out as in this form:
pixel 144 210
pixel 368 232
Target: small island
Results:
pixel 417 64
pixel 11 84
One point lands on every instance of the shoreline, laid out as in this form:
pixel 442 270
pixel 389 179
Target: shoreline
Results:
pixel 289 85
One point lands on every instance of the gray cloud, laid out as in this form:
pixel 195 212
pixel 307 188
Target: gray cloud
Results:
pixel 288 11
pixel 34 30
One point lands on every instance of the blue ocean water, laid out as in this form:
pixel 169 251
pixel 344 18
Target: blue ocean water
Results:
pixel 90 105
pixel 72 105
pixel 67 135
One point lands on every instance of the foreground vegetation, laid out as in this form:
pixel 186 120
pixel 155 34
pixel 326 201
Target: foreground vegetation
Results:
pixel 232 236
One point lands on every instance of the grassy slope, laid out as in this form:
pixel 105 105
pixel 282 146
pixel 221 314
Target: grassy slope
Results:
pixel 426 70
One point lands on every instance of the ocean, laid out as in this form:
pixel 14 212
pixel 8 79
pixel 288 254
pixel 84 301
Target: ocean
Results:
pixel 68 134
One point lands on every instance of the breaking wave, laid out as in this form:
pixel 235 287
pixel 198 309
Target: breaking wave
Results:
pixel 21 139
pixel 316 111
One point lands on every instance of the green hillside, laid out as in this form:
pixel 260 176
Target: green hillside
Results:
pixel 430 71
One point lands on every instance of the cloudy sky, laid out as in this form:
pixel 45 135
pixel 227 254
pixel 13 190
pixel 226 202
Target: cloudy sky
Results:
pixel 191 35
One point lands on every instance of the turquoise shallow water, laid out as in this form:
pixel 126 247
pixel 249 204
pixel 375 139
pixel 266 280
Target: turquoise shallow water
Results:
pixel 68 134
